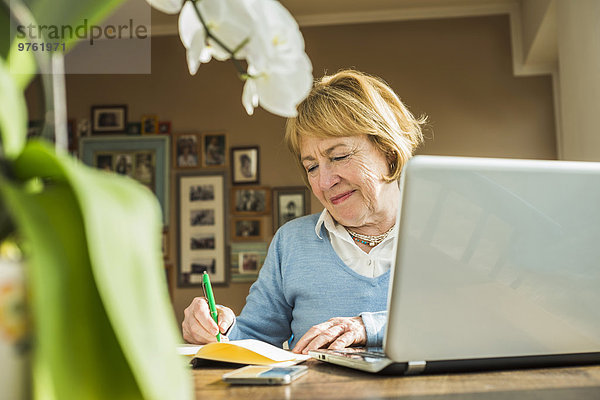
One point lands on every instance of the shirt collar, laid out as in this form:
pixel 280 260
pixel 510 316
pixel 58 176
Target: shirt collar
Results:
pixel 324 215
pixel 325 219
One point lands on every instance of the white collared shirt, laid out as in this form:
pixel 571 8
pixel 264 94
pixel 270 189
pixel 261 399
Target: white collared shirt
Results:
pixel 376 262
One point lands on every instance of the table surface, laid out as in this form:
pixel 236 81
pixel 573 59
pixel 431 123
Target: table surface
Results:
pixel 326 381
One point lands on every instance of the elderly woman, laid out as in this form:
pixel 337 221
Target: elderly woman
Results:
pixel 325 279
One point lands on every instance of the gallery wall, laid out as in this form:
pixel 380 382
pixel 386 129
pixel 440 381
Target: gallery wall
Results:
pixel 456 71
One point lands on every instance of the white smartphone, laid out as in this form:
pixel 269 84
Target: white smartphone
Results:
pixel 264 375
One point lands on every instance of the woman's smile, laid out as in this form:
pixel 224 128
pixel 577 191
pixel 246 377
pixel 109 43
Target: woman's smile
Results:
pixel 340 198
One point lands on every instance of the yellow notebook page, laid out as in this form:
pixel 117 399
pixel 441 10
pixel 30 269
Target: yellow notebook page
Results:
pixel 247 352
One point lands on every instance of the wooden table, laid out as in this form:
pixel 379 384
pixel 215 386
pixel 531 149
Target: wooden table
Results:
pixel 325 381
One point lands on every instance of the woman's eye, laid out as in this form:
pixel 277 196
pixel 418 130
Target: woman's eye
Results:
pixel 311 168
pixel 340 158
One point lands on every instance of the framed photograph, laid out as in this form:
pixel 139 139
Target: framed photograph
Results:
pixel 246 229
pixel 164 127
pixel 165 243
pixel 109 119
pixel 145 159
pixel 250 200
pixel 245 165
pixel 186 150
pixel 202 202
pixel 289 203
pixel 149 125
pixel 72 136
pixel 246 260
pixel 134 128
pixel 214 150
pixel 168 272
pixel 83 127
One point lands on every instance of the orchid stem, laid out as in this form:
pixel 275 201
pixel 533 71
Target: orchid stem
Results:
pixel 236 63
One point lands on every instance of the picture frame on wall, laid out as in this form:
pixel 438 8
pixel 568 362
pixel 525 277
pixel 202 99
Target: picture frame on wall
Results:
pixel 169 280
pixel 250 200
pixel 164 127
pixel 202 202
pixel 214 149
pixel 247 229
pixel 83 127
pixel 72 136
pixel 134 128
pixel 109 119
pixel 289 203
pixel 186 150
pixel 248 263
pixel 143 158
pixel 165 243
pixel 149 125
pixel 247 258
pixel 245 165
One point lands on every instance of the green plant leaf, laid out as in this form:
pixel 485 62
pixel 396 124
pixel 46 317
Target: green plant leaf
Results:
pixel 55 13
pixel 68 12
pixel 76 350
pixel 21 64
pixel 13 114
pixel 5 39
pixel 104 325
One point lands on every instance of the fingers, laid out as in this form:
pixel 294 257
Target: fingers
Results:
pixel 324 338
pixel 310 335
pixel 319 336
pixel 196 334
pixel 345 340
pixel 199 327
pixel 337 333
pixel 225 319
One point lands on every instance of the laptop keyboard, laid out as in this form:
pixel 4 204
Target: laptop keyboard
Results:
pixel 373 353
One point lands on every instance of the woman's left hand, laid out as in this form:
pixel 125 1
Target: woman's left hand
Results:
pixel 336 333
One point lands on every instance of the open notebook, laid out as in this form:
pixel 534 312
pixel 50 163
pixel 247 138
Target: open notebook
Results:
pixel 247 351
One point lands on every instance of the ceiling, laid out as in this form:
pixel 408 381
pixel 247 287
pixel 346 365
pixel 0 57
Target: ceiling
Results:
pixel 306 7
pixel 327 12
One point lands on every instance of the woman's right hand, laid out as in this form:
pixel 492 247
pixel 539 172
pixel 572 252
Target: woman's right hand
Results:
pixel 198 327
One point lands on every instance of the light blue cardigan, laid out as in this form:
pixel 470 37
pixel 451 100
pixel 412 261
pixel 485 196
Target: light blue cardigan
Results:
pixel 302 283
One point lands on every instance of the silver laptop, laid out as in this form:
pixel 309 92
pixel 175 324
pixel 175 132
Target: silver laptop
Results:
pixel 497 266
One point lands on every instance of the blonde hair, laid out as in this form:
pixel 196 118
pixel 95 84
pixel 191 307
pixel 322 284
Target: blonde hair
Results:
pixel 352 103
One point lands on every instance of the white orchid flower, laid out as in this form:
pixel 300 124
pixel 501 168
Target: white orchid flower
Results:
pixel 250 94
pixel 263 32
pixel 281 73
pixel 228 20
pixel 193 37
pixel 276 33
pixel 166 6
pixel 280 88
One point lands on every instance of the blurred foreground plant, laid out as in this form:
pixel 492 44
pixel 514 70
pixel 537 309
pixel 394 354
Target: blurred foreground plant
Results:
pixel 103 327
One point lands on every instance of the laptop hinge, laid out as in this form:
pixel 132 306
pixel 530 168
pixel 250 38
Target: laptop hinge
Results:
pixel 415 367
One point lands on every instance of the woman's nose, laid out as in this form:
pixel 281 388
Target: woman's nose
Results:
pixel 328 177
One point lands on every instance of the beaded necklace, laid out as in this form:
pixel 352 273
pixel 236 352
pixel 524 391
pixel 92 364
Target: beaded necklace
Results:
pixel 369 240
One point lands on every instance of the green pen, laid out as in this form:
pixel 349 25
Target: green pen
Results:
pixel 211 300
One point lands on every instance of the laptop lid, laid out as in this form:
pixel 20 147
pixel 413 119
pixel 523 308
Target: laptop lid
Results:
pixel 495 258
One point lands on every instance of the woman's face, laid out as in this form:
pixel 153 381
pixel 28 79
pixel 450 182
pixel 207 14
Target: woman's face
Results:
pixel 346 175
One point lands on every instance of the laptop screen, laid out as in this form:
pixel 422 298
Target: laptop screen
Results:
pixel 495 258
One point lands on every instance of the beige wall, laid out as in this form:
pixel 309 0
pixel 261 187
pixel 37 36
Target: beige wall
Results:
pixel 457 71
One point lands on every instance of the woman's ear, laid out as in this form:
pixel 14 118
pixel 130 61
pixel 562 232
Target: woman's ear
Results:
pixel 392 161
